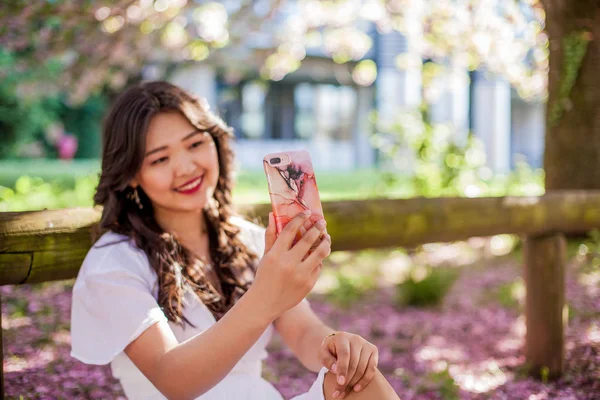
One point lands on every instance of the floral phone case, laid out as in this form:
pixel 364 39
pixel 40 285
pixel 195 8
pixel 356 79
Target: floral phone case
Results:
pixel 292 187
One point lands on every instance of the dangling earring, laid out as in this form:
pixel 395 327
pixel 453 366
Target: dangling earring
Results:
pixel 136 197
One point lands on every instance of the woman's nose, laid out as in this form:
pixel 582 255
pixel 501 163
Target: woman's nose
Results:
pixel 184 166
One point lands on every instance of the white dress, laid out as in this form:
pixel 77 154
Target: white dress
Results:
pixel 114 301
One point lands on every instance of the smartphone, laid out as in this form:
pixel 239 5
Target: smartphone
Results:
pixel 292 188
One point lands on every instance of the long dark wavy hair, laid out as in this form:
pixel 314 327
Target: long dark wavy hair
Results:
pixel 124 141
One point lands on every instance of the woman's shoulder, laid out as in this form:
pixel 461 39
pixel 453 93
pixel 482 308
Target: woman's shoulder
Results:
pixel 113 253
pixel 246 225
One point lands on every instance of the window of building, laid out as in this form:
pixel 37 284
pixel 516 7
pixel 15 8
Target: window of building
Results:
pixel 252 121
pixel 290 110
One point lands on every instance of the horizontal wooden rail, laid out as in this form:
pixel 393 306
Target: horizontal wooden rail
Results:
pixel 39 246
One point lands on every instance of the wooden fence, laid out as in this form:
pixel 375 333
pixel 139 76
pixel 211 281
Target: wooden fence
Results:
pixel 40 246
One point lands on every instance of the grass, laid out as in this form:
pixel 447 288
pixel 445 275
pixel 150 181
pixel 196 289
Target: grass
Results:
pixel 426 286
pixel 339 184
pixel 52 184
pixel 444 384
pixel 511 295
pixel 251 186
pixel 57 171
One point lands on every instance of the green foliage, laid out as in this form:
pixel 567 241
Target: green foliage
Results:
pixel 62 176
pixel 62 172
pixel 53 177
pixel 522 371
pixel 511 295
pixel 29 105
pixel 349 288
pixel 36 194
pixel 426 286
pixel 443 383
pixel 18 307
pixel 591 250
pixel 251 186
pixel 438 164
pixel 20 397
pixel 544 374
pixel 84 121
pixel 24 116
pixel 574 48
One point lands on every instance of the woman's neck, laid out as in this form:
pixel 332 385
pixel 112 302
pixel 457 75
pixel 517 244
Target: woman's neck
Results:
pixel 189 227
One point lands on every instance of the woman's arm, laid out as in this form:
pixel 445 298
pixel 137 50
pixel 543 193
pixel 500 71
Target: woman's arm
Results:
pixel 284 277
pixel 303 332
pixel 188 369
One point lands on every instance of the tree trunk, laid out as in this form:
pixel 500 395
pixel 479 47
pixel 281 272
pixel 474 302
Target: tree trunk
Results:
pixel 572 156
pixel 571 161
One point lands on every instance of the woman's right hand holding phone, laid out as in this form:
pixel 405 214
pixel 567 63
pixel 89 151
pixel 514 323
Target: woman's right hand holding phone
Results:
pixel 287 273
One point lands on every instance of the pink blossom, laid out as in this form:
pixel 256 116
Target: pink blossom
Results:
pixel 66 146
pixel 470 343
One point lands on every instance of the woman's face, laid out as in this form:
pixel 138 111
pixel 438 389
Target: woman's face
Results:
pixel 180 169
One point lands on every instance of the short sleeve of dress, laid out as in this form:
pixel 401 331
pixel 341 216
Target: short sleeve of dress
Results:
pixel 113 303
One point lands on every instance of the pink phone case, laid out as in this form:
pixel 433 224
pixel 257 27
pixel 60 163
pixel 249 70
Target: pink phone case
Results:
pixel 292 187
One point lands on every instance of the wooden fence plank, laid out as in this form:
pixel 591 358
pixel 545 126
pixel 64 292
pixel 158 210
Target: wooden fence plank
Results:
pixel 59 239
pixel 15 267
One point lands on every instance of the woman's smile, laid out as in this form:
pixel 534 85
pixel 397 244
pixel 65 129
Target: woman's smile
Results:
pixel 190 187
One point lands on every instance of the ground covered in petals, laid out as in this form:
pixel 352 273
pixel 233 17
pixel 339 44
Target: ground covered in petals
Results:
pixel 467 347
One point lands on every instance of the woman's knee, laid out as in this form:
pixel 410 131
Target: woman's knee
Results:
pixel 378 388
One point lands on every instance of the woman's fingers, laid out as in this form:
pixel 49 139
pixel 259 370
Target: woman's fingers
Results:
pixel 322 251
pixel 324 236
pixel 369 373
pixel 288 233
pixel 270 233
pixel 355 354
pixel 342 350
pixel 356 363
pixel 308 240
pixel 361 368
pixel 327 359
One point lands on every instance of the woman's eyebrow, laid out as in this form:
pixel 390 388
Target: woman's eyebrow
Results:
pixel 194 133
pixel 189 135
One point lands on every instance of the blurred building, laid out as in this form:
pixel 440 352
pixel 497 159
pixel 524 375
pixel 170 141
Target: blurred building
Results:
pixel 319 107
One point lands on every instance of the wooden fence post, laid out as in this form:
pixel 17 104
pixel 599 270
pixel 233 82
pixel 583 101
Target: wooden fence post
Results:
pixel 545 258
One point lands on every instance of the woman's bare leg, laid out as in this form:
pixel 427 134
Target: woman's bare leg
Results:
pixel 379 388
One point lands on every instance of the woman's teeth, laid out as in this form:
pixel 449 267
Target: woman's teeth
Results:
pixel 190 185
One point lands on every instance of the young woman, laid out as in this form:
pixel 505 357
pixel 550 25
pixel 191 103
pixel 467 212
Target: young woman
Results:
pixel 181 295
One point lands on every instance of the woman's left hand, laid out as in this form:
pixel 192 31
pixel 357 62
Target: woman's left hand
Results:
pixel 352 358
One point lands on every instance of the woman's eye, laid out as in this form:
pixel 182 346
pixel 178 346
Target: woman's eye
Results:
pixel 158 161
pixel 196 144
